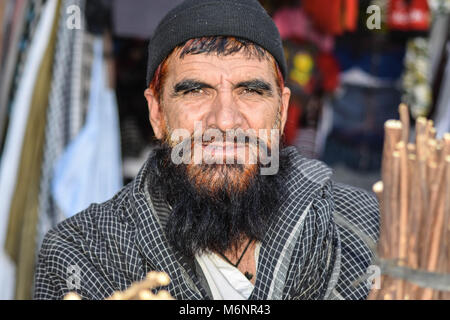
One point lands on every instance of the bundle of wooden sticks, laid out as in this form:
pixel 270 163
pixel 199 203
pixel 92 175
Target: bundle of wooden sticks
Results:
pixel 139 290
pixel 414 197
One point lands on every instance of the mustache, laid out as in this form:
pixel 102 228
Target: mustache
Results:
pixel 238 136
pixel 200 147
pixel 226 138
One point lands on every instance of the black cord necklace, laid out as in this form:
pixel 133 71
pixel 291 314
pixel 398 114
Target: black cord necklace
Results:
pixel 247 274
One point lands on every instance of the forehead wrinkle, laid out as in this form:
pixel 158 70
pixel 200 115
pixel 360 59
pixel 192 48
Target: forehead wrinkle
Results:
pixel 216 61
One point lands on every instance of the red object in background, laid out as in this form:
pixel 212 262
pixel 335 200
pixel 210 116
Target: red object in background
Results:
pixel 294 23
pixel 292 122
pixel 408 17
pixel 333 17
pixel 398 15
pixel 325 14
pixel 329 69
pixel 419 15
pixel 351 15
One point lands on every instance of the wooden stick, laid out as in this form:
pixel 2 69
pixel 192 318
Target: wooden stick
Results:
pixel 432 160
pixel 395 204
pixel 378 190
pixel 393 130
pixel 411 149
pixel 445 265
pixel 435 238
pixel 404 191
pixel 430 131
pixel 403 219
pixel 446 139
pixel 413 225
pixel 422 153
pixel 404 118
pixel 72 296
pixel 141 289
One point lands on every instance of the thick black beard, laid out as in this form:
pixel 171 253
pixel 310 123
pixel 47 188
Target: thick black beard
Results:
pixel 201 222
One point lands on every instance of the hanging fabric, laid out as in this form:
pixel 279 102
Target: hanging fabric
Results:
pixel 63 104
pixel 21 235
pixel 89 171
pixel 15 136
pixel 4 22
pixel 10 61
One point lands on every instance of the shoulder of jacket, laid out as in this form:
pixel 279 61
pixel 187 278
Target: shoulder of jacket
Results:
pixel 85 229
pixel 358 207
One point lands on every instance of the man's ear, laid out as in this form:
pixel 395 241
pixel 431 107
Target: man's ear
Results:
pixel 285 97
pixel 155 113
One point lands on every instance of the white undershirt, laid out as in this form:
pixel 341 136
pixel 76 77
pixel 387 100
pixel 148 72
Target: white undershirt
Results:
pixel 225 281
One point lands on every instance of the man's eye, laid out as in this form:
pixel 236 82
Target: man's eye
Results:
pixel 196 91
pixel 251 91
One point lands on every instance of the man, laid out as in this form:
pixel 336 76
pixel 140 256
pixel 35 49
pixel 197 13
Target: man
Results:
pixel 218 206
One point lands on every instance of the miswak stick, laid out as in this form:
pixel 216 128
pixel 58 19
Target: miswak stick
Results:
pixel 403 221
pixel 393 230
pixel 437 218
pixel 446 234
pixel 395 197
pixel 377 188
pixel 435 237
pixel 411 147
pixel 421 151
pixel 393 131
pixel 404 118
pixel 444 254
pixel 430 131
pixel 446 139
pixel 72 296
pixel 153 280
pixel 432 160
pixel 436 170
pixel 404 190
pixel 411 289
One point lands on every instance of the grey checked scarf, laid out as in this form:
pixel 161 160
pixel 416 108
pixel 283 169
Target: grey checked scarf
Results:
pixel 305 254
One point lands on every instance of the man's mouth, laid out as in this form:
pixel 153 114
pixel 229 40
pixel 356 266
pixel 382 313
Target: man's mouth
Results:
pixel 225 149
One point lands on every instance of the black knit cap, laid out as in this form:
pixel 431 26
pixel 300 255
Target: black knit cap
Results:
pixel 204 18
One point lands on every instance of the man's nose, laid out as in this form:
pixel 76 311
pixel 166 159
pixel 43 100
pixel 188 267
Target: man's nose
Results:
pixel 224 114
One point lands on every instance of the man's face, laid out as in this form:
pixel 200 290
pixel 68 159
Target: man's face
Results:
pixel 219 92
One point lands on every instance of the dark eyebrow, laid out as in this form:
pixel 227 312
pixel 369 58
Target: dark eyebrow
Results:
pixel 256 84
pixel 189 84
